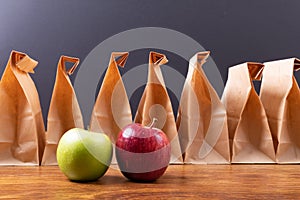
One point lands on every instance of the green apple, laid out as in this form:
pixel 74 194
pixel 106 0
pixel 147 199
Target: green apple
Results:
pixel 83 155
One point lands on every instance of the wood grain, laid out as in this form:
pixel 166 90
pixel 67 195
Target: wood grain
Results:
pixel 179 181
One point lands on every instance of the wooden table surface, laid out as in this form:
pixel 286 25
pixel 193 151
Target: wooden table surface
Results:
pixel 179 181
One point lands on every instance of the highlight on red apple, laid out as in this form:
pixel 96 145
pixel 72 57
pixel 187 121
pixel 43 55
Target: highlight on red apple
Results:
pixel 143 152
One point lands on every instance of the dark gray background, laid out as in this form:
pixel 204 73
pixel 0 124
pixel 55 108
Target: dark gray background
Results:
pixel 234 31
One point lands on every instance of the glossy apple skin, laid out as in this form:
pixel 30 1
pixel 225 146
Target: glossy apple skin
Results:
pixel 143 153
pixel 84 156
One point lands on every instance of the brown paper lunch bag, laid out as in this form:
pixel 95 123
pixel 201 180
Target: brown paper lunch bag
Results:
pixel 22 128
pixel 249 132
pixel 112 111
pixel 281 99
pixel 64 111
pixel 202 120
pixel 155 103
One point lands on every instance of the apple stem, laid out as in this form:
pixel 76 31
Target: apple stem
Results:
pixel 154 120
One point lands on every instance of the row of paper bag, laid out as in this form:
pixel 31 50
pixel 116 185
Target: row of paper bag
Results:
pixel 241 128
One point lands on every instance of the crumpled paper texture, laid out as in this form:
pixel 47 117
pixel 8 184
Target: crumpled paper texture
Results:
pixel 202 121
pixel 112 111
pixel 22 136
pixel 155 103
pixel 64 111
pixel 249 132
pixel 281 99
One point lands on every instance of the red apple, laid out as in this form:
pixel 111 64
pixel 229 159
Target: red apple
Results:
pixel 143 153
